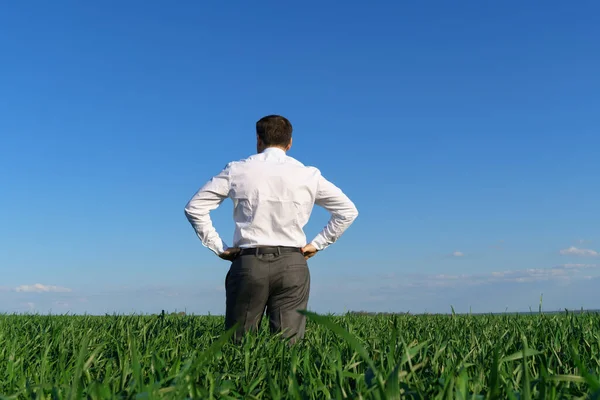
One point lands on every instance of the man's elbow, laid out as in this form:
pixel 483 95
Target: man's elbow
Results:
pixel 189 212
pixel 351 214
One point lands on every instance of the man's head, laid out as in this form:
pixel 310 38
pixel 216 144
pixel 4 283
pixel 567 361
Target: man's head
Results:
pixel 273 131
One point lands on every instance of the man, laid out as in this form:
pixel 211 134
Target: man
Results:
pixel 273 197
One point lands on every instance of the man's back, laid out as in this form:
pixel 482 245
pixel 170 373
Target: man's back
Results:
pixel 273 197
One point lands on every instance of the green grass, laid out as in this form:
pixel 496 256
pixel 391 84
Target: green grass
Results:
pixel 368 357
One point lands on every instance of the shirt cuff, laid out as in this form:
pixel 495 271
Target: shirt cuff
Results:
pixel 218 248
pixel 320 243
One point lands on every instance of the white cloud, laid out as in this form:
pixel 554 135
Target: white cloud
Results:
pixel 446 277
pixel 574 251
pixel 562 273
pixel 559 273
pixel 458 254
pixel 39 288
pixel 168 293
pixel 579 266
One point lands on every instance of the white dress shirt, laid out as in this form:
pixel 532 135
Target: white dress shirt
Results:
pixel 273 196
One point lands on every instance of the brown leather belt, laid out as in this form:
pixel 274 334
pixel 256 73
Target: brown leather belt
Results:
pixel 270 250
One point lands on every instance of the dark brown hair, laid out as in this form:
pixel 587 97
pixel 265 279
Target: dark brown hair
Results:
pixel 274 130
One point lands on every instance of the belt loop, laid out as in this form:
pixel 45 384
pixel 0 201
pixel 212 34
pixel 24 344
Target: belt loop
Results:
pixel 256 251
pixel 278 251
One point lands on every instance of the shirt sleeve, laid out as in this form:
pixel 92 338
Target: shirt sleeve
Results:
pixel 208 198
pixel 342 209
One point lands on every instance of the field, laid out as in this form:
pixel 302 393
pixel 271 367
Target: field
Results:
pixel 369 357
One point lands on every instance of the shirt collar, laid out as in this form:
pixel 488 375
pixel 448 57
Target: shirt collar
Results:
pixel 274 150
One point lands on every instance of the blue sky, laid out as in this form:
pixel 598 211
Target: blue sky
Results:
pixel 466 133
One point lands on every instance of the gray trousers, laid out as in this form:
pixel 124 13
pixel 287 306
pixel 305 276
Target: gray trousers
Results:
pixel 279 282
